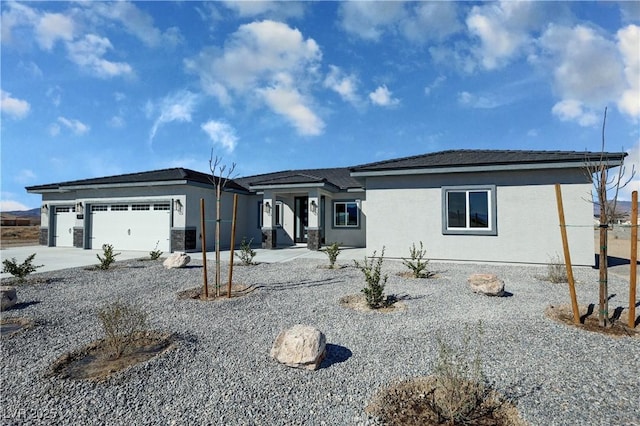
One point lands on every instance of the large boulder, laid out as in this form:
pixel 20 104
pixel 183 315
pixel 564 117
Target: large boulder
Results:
pixel 176 260
pixel 487 284
pixel 9 297
pixel 301 346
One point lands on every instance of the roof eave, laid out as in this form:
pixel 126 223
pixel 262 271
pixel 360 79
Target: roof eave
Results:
pixel 324 185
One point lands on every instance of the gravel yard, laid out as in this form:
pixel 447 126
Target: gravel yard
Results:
pixel 221 372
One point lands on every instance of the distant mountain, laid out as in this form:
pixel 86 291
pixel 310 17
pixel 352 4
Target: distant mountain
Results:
pixel 623 207
pixel 24 213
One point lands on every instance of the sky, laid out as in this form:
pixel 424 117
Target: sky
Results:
pixel 94 89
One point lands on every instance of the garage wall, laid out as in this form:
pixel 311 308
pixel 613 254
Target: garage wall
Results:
pixel 407 209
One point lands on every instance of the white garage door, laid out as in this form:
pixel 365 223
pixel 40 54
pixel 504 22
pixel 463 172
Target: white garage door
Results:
pixel 131 226
pixel 64 221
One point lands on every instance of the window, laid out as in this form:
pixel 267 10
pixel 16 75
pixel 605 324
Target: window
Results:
pixel 140 207
pixel 469 210
pixel 119 207
pixel 162 206
pixel 279 213
pixel 346 214
pixel 65 209
pixel 98 208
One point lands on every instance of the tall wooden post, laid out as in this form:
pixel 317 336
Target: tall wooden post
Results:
pixel 203 238
pixel 567 256
pixel 603 312
pixel 218 220
pixel 233 242
pixel 633 259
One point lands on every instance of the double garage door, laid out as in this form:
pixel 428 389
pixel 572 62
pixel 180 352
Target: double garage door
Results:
pixel 131 226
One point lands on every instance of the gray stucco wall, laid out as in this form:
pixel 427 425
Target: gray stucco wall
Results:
pixel 406 209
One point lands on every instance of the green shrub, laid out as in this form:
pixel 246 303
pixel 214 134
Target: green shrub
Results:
pixel 121 322
pixel 246 253
pixel 332 251
pixel 109 257
pixel 155 253
pixel 417 263
pixel 374 291
pixel 557 270
pixel 460 388
pixel 20 271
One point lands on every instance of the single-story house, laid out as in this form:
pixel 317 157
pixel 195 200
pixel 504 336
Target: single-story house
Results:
pixel 464 205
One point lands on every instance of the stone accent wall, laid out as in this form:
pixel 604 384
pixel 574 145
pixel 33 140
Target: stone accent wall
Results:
pixel 269 238
pixel 43 240
pixel 183 239
pixel 313 239
pixel 78 237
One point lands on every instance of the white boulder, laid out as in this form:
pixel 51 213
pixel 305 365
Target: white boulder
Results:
pixel 487 284
pixel 9 297
pixel 176 260
pixel 301 346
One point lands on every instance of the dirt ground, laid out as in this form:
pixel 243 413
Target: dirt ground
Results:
pixel 13 236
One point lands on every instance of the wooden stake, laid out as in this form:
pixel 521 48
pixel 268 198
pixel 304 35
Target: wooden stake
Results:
pixel 218 220
pixel 603 312
pixel 567 256
pixel 203 237
pixel 634 259
pixel 233 242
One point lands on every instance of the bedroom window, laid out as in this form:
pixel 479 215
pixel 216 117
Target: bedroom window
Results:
pixel 469 210
pixel 346 214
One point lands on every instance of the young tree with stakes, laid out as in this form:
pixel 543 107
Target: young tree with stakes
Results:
pixel 219 182
pixel 603 185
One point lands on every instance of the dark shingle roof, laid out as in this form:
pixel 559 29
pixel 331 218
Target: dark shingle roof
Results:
pixel 164 175
pixel 338 177
pixel 464 157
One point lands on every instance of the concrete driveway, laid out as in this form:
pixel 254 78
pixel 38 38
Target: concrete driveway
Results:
pixel 56 258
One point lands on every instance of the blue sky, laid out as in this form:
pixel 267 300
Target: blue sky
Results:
pixel 101 88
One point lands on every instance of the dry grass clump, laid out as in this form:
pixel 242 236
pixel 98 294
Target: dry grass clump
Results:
pixel 556 270
pixel 121 323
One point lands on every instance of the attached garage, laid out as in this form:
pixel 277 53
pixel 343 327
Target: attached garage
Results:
pixel 63 222
pixel 131 226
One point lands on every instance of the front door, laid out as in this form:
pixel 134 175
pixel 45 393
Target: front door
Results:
pixel 301 219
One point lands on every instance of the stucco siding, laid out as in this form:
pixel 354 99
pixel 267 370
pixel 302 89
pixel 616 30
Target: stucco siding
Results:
pixel 406 210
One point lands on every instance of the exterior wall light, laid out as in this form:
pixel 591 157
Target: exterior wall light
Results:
pixel 45 208
pixel 79 207
pixel 314 206
pixel 177 205
pixel 267 207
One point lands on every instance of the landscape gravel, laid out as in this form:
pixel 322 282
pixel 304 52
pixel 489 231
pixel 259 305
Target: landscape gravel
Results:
pixel 220 371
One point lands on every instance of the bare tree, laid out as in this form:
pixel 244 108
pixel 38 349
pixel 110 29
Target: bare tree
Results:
pixel 606 183
pixel 219 182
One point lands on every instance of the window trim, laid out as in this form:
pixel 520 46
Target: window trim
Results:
pixel 333 214
pixel 492 230
pixel 279 212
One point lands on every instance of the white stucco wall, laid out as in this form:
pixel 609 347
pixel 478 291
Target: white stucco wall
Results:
pixel 407 209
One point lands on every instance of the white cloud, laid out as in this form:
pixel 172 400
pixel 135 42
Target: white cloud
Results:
pixel 55 94
pixel 12 206
pixel 274 9
pixel 632 162
pixel 52 27
pixel 174 107
pixel 431 20
pixel 369 20
pixel 76 126
pixel 116 122
pixel 54 129
pixel 478 101
pixel 268 59
pixel 286 100
pixel 434 84
pixel 344 85
pixel 16 14
pixel 383 97
pixel 88 54
pixel 629 46
pixel 14 107
pixel 221 133
pixel 25 176
pixel 573 110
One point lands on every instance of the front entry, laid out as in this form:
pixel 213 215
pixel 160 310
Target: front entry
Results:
pixel 301 220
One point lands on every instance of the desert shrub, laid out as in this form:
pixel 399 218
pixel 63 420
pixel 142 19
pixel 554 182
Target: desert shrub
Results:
pixel 246 253
pixel 460 384
pixel 557 270
pixel 109 257
pixel 332 251
pixel 121 322
pixel 374 291
pixel 20 271
pixel 155 253
pixel 417 262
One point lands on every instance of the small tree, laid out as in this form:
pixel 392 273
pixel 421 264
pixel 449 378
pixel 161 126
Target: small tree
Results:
pixel 219 182
pixel 20 271
pixel 332 251
pixel 155 253
pixel 109 257
pixel 246 254
pixel 604 184
pixel 417 262
pixel 372 270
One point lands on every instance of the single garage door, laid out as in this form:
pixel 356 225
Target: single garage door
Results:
pixel 131 226
pixel 63 222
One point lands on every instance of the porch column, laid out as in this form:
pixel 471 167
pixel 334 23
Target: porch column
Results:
pixel 313 229
pixel 269 234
